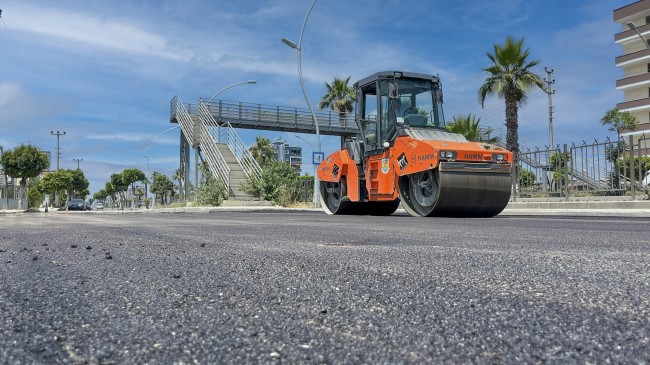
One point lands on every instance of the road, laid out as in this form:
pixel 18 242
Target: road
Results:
pixel 247 287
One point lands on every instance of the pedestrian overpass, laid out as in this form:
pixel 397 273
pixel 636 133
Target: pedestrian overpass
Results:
pixel 209 126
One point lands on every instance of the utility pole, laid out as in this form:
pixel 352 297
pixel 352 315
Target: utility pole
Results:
pixel 58 150
pixel 549 81
pixel 549 91
pixel 77 160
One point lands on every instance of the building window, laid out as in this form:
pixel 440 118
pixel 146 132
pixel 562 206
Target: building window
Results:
pixel 648 67
pixel 647 19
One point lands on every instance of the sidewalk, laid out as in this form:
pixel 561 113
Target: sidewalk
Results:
pixel 607 207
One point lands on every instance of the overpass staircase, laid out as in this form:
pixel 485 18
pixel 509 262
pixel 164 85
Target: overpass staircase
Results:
pixel 209 127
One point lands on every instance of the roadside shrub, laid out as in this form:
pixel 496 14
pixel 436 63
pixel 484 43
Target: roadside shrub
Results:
pixel 280 184
pixel 211 192
pixel 34 197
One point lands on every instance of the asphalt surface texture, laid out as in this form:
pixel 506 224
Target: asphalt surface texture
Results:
pixel 308 288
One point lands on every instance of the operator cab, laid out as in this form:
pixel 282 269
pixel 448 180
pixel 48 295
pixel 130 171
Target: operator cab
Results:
pixel 388 102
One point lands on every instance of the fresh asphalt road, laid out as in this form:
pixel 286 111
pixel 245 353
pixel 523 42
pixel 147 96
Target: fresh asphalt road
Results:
pixel 247 287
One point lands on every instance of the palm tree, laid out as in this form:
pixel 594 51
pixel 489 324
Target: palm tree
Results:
pixel 179 177
pixel 510 79
pixel 262 151
pixel 339 97
pixel 469 127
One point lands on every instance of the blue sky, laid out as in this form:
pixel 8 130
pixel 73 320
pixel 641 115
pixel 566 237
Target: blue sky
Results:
pixel 105 72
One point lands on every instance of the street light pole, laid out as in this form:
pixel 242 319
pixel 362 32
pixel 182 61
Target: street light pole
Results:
pixel 58 150
pixel 298 48
pixel 77 160
pixel 633 27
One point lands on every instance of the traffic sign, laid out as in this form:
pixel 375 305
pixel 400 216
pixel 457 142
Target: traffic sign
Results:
pixel 317 157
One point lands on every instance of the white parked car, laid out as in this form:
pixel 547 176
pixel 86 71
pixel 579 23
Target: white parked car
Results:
pixel 99 206
pixel 646 180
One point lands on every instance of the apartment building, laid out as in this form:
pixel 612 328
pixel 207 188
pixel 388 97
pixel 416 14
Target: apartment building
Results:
pixel 286 153
pixel 634 37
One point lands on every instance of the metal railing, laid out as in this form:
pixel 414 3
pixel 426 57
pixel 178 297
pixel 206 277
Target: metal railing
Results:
pixel 259 116
pixel 643 154
pixel 610 167
pixel 223 132
pixel 182 115
pixel 216 163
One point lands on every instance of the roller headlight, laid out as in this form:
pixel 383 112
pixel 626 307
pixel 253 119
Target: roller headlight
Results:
pixel 498 157
pixel 447 155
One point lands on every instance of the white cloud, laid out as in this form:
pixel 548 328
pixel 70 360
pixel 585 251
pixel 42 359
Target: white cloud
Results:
pixel 132 137
pixel 90 29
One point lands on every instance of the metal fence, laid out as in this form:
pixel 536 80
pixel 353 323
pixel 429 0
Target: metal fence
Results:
pixel 610 167
pixel 307 191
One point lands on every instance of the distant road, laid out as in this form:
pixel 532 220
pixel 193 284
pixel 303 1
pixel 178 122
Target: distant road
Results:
pixel 245 287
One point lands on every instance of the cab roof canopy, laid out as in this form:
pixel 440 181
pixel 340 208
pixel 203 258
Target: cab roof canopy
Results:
pixel 395 74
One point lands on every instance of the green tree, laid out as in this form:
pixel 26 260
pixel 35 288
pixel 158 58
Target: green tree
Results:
pixel 179 177
pixel 618 121
pixel 339 97
pixel 161 186
pixel 119 186
pixel 469 127
pixel 110 191
pixel 527 179
pixel 55 182
pixel 24 162
pixel 130 177
pixel 510 79
pixel 559 164
pixel 262 151
pixel 102 194
pixel 623 166
pixel 79 185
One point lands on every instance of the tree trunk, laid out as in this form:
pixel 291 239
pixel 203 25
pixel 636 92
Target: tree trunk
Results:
pixel 512 124
pixel 22 191
pixel 343 119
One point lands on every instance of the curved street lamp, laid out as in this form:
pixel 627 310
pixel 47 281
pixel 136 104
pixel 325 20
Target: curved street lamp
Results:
pixel 298 48
pixel 229 86
pixel 633 27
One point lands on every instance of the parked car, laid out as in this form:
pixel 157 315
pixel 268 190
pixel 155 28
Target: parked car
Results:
pixel 76 204
pixel 99 206
pixel 88 206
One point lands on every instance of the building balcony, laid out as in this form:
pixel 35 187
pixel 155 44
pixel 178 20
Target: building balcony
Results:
pixel 630 35
pixel 632 58
pixel 634 105
pixel 631 10
pixel 633 81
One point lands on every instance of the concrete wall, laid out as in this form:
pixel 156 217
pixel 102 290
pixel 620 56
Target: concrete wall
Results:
pixel 13 204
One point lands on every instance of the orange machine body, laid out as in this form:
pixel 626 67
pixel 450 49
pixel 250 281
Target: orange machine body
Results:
pixel 406 156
